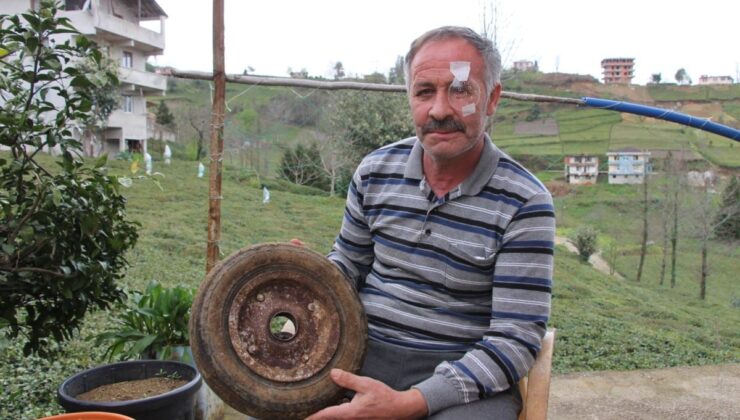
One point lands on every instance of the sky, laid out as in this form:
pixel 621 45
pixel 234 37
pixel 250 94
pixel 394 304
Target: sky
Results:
pixel 570 36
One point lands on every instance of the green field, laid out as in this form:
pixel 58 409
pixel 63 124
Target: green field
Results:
pixel 697 93
pixel 603 323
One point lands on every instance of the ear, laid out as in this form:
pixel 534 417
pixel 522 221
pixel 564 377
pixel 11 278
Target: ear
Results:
pixel 493 100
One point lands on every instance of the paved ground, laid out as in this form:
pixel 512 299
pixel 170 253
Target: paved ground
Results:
pixel 705 392
pixel 596 260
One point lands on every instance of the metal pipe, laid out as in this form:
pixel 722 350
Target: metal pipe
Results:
pixel 664 114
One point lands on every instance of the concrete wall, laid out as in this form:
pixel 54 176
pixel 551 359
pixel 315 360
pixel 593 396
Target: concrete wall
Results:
pixel 14 6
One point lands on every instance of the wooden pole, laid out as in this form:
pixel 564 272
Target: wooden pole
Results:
pixel 344 85
pixel 217 137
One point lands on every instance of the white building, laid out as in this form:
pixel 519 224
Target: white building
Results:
pixel 715 80
pixel 114 26
pixel 581 169
pixel 525 65
pixel 628 166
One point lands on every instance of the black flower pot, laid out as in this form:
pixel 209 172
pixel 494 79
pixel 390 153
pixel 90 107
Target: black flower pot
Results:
pixel 178 404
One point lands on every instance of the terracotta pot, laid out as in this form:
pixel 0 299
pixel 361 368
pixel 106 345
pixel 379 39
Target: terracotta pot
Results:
pixel 89 415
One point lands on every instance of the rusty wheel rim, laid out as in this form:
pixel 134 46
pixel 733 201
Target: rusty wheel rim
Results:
pixel 285 292
pixel 244 357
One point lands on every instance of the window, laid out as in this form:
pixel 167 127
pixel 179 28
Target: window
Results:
pixel 74 4
pixel 127 60
pixel 127 103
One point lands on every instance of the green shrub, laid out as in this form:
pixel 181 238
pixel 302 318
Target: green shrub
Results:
pixel 586 239
pixel 151 325
pixel 64 231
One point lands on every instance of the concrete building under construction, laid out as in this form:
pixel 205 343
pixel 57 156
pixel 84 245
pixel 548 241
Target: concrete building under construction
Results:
pixel 618 70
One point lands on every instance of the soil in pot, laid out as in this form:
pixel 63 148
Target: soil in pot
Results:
pixel 132 390
pixel 178 404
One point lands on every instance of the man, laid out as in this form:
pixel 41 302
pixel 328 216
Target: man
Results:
pixel 450 244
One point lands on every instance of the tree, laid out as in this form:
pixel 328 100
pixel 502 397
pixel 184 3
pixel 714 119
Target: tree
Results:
pixel 338 70
pixel 655 78
pixel 493 26
pixel 302 74
pixel 364 121
pixel 665 211
pixel 682 77
pixel 163 116
pixel 612 253
pixel 305 111
pixel 104 94
pixel 396 75
pixel 707 215
pixel 643 242
pixel 335 164
pixel 197 119
pixel 63 232
pixel 375 77
pixel 727 219
pixel 585 239
pixel 672 186
pixel 302 166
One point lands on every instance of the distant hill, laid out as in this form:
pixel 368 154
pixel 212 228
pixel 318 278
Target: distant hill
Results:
pixel 592 131
pixel 261 122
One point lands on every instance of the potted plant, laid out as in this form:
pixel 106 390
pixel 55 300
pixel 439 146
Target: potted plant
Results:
pixel 127 388
pixel 152 325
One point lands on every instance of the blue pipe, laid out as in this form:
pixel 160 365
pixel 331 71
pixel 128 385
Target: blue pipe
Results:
pixel 664 114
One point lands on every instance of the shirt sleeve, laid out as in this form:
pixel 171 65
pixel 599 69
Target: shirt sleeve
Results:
pixel 352 251
pixel 520 310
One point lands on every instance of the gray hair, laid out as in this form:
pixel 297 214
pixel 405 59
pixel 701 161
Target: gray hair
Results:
pixel 486 49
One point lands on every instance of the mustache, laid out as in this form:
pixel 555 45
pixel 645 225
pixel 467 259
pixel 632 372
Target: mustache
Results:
pixel 448 124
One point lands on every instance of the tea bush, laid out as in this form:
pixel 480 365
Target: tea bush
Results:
pixel 63 230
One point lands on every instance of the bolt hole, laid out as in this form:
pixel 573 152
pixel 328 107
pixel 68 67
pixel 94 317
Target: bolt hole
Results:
pixel 283 326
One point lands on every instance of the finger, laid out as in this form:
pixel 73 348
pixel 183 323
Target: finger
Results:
pixel 350 381
pixel 296 242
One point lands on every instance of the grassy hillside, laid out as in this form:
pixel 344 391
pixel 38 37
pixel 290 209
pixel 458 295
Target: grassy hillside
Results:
pixel 610 323
pixel 591 131
pixel 276 118
pixel 260 122
pixel 603 323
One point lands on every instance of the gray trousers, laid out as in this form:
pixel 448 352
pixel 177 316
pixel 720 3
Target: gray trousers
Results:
pixel 400 368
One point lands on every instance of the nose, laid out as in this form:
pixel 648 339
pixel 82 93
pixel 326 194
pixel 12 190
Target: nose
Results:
pixel 441 107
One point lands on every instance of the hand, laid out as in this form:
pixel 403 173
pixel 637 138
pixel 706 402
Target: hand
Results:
pixel 373 400
pixel 296 242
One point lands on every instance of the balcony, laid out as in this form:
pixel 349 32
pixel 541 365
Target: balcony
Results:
pixel 589 172
pixel 117 31
pixel 150 83
pixel 133 125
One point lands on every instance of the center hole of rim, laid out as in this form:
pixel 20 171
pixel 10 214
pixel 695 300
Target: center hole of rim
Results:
pixel 283 326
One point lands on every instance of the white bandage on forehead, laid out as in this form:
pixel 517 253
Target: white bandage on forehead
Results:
pixel 461 70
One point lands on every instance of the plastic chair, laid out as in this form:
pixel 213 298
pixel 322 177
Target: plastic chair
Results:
pixel 535 387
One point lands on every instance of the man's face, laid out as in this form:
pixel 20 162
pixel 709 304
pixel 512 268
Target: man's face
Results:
pixel 447 126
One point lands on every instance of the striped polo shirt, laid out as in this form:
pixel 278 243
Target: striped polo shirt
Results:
pixel 470 271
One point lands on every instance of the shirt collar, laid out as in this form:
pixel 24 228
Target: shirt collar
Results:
pixel 474 183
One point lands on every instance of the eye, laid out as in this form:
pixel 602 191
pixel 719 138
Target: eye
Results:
pixel 461 89
pixel 426 92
